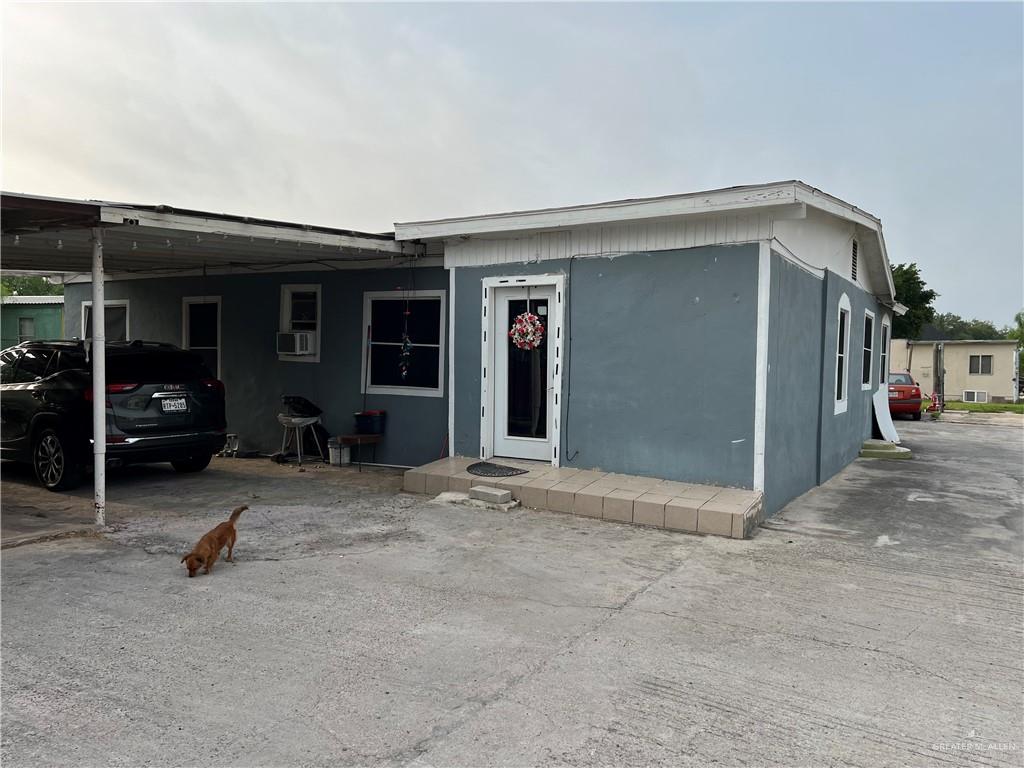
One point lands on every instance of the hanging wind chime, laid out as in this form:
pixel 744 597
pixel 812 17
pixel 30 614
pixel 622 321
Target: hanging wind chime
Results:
pixel 405 352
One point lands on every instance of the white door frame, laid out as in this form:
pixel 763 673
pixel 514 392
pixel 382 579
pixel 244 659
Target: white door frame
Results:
pixel 487 349
pixel 184 324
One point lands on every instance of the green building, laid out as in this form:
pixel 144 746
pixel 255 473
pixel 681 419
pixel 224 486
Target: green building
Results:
pixel 23 318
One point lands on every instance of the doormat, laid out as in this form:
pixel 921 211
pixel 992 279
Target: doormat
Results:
pixel 487 469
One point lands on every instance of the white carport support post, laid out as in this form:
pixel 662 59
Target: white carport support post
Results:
pixel 99 382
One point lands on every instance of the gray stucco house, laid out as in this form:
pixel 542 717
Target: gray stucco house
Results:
pixel 733 337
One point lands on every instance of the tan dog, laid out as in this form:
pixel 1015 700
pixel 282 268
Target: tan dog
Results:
pixel 205 553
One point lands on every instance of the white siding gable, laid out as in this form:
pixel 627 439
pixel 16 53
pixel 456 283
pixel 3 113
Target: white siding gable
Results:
pixel 610 240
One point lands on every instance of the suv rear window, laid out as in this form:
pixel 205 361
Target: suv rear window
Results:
pixel 900 378
pixel 156 367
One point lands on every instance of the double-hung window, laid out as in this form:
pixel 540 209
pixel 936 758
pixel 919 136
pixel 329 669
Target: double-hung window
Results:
pixel 115 317
pixel 300 313
pixel 868 358
pixel 403 339
pixel 883 354
pixel 842 354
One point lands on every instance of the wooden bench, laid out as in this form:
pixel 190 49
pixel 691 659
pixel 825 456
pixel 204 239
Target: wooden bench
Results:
pixel 360 440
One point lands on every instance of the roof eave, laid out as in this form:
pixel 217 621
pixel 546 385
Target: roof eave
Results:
pixel 690 204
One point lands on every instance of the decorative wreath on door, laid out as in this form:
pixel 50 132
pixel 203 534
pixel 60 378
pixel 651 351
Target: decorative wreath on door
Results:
pixel 527 331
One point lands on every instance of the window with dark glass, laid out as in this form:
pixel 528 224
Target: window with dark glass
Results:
pixel 115 321
pixel 303 311
pixel 8 364
pixel 869 340
pixel 405 336
pixel 883 364
pixel 981 364
pixel 32 366
pixel 844 318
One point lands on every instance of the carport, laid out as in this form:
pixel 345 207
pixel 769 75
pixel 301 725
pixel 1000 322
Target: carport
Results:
pixel 121 240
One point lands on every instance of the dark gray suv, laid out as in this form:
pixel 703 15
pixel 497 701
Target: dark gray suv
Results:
pixel 163 404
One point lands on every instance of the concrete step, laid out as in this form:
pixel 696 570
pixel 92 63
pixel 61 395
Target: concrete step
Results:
pixel 492 495
pixel 883 449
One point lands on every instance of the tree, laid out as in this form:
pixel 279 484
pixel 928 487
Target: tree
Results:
pixel 1018 334
pixel 29 285
pixel 946 326
pixel 916 297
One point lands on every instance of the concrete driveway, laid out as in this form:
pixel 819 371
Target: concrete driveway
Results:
pixel 876 621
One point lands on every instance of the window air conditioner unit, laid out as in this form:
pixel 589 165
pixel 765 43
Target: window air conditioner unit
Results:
pixel 296 343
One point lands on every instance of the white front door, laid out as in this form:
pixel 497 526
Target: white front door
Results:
pixel 523 379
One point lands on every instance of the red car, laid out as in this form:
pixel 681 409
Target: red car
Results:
pixel 904 395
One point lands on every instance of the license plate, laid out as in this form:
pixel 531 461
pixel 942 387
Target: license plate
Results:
pixel 894 395
pixel 173 404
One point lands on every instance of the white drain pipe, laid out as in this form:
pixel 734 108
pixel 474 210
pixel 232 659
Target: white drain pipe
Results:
pixel 99 382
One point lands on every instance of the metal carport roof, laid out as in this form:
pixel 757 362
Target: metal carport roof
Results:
pixel 55 235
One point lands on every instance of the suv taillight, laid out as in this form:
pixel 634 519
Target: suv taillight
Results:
pixel 112 389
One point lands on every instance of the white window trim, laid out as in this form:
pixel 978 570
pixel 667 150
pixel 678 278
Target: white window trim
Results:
pixel 110 303
pixel 842 402
pixel 991 365
pixel 884 348
pixel 556 323
pixel 975 392
pixel 284 323
pixel 370 389
pixel 871 358
pixel 184 324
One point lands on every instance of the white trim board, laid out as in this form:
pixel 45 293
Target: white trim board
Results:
pixel 426 293
pixel 764 280
pixel 338 266
pixel 451 363
pixel 555 336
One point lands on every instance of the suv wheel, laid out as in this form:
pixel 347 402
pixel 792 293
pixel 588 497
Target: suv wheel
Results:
pixel 196 463
pixel 55 469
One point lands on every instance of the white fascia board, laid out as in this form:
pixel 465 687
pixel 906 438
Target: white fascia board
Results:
pixel 178 222
pixel 603 213
pixel 340 266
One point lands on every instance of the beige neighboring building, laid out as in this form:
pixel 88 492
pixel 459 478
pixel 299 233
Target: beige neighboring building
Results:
pixel 976 371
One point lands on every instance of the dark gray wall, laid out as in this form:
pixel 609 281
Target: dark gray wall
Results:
pixel 671 396
pixel 255 378
pixel 806 442
pixel 792 402
pixel 843 434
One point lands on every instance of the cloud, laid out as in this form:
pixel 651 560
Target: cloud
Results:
pixel 361 115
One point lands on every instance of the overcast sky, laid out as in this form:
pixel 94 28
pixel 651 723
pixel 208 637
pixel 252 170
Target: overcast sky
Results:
pixel 360 116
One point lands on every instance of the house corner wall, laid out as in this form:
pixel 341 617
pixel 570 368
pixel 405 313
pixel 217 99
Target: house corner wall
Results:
pixel 794 391
pixel 843 434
